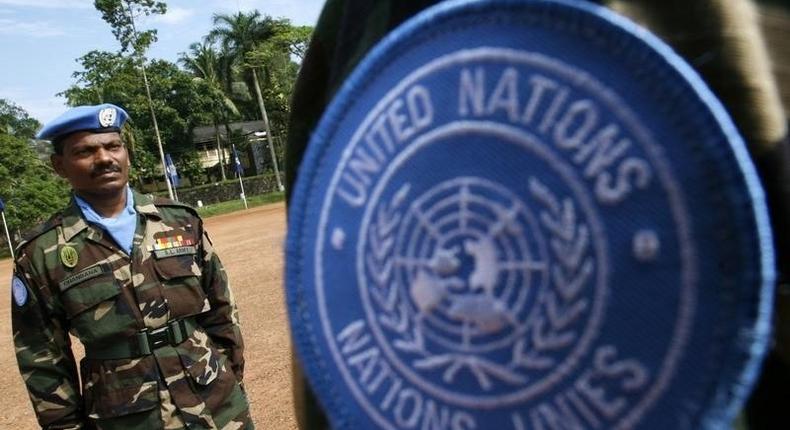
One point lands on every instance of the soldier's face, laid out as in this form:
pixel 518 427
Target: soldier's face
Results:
pixel 95 164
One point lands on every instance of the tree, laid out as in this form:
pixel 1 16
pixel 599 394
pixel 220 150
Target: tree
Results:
pixel 105 78
pixel 290 38
pixel 210 68
pixel 177 99
pixel 144 166
pixel 240 33
pixel 189 166
pixel 15 121
pixel 31 190
pixel 275 58
pixel 120 14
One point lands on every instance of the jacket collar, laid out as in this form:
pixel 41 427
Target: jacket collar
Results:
pixel 73 222
pixel 144 204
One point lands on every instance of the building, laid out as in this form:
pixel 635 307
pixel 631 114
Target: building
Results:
pixel 249 138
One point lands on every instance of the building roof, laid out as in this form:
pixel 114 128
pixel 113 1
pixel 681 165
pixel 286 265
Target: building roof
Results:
pixel 207 133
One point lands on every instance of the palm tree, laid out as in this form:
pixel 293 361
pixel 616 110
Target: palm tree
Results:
pixel 209 66
pixel 239 35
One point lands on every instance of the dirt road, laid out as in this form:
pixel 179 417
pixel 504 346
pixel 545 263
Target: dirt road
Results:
pixel 250 245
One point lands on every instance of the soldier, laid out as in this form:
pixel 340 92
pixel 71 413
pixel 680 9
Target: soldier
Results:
pixel 137 281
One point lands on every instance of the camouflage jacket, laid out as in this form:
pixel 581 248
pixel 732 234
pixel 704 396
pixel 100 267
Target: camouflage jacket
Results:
pixel 106 299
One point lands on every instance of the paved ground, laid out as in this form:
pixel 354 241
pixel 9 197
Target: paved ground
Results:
pixel 250 245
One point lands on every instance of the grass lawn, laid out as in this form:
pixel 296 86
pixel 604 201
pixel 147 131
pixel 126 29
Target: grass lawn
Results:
pixel 237 205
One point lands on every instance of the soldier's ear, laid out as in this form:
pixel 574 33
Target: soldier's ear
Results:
pixel 57 164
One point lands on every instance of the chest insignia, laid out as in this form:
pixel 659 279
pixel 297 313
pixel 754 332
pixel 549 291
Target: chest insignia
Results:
pixel 69 256
pixel 168 242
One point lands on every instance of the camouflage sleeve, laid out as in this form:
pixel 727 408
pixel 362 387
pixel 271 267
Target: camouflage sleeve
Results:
pixel 221 323
pixel 43 352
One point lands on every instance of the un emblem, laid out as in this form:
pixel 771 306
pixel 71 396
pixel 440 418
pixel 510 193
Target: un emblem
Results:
pixel 107 117
pixel 465 283
pixel 503 223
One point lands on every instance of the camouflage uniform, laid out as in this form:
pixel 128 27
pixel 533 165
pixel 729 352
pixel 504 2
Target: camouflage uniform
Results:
pixel 348 29
pixel 190 378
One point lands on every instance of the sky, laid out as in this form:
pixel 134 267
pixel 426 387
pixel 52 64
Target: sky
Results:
pixel 40 40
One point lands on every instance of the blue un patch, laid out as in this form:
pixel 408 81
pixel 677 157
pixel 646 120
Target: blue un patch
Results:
pixel 527 215
pixel 18 291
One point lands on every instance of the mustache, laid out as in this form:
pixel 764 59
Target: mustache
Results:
pixel 108 169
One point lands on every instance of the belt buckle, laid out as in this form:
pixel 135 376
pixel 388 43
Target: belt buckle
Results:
pixel 158 337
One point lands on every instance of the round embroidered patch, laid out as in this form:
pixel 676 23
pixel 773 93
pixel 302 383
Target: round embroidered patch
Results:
pixel 19 291
pixel 527 215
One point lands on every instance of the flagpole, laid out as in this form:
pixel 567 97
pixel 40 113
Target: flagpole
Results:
pixel 238 173
pixel 7 236
pixel 243 196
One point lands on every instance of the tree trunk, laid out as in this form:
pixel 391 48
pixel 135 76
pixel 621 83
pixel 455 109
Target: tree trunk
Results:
pixel 268 130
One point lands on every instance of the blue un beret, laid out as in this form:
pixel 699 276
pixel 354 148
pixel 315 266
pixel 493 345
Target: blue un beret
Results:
pixel 97 119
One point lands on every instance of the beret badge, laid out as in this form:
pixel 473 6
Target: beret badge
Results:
pixel 107 117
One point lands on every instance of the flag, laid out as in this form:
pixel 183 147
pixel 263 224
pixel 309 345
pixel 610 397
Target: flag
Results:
pixel 2 204
pixel 237 163
pixel 172 173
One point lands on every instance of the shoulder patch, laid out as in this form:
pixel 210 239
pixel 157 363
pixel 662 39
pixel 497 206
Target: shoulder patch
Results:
pixel 19 291
pixel 528 215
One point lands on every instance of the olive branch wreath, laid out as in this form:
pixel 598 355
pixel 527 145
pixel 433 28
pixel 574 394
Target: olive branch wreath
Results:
pixel 564 304
pixel 550 331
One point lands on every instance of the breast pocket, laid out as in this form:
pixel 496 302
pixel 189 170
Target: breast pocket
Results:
pixel 181 276
pixel 91 301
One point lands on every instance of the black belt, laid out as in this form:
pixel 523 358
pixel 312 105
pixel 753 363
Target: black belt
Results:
pixel 144 342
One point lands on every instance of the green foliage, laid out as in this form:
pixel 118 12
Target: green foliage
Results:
pixel 145 166
pixel 29 187
pixel 240 33
pixel 212 69
pixel 105 77
pixel 120 14
pixel 15 121
pixel 286 39
pixel 188 165
pixel 213 74
pixel 255 41
pixel 277 76
pixel 179 102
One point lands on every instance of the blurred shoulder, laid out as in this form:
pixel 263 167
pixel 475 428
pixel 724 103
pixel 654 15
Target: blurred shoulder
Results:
pixel 41 236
